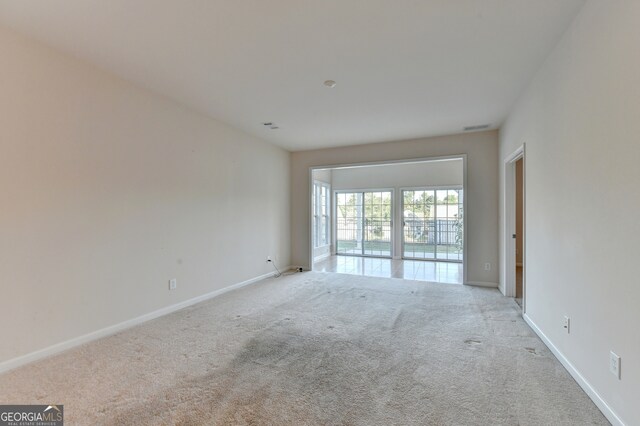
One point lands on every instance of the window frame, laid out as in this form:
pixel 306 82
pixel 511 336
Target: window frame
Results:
pixel 321 229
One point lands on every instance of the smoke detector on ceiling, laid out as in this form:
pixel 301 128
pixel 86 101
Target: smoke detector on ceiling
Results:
pixel 330 84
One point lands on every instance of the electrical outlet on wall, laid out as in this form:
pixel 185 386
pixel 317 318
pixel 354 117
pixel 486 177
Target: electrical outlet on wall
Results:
pixel 173 284
pixel 487 266
pixel 614 364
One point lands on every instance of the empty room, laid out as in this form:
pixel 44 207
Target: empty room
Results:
pixel 319 213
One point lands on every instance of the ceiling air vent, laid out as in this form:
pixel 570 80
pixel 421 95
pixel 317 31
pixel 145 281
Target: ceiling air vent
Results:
pixel 478 127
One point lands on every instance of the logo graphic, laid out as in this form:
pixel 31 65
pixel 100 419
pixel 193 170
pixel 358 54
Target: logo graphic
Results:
pixel 31 415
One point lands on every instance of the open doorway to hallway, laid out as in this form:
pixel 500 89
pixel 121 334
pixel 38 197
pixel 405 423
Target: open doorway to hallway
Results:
pixel 399 219
pixel 515 227
pixel 519 199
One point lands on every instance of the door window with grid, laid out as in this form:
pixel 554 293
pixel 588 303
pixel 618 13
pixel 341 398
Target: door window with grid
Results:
pixel 433 224
pixel 363 223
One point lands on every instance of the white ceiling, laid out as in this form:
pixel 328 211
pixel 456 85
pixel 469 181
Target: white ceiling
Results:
pixel 404 68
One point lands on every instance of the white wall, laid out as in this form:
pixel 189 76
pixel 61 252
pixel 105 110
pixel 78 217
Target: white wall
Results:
pixel 107 191
pixel 432 173
pixel 580 122
pixel 481 149
pixel 323 175
pixel 397 176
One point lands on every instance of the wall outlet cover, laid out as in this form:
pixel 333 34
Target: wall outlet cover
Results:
pixel 614 364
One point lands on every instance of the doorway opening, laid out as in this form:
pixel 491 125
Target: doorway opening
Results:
pixel 401 219
pixel 515 228
pixel 519 230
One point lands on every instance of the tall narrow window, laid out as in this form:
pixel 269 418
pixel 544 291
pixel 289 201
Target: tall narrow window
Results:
pixel 321 218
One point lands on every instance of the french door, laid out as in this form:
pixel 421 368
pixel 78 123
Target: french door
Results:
pixel 363 223
pixel 432 224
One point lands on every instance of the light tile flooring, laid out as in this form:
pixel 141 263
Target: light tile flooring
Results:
pixel 420 270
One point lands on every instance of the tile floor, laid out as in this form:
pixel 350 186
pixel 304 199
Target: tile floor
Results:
pixel 420 270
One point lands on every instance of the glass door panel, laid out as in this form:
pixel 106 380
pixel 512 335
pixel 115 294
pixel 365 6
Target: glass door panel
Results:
pixel 449 224
pixel 418 215
pixel 432 224
pixel 363 223
pixel 377 223
pixel 349 214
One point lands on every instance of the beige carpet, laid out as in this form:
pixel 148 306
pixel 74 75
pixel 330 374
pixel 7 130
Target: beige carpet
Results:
pixel 317 349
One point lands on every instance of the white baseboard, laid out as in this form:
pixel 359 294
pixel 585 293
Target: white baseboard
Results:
pixel 482 284
pixel 107 331
pixel 584 384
